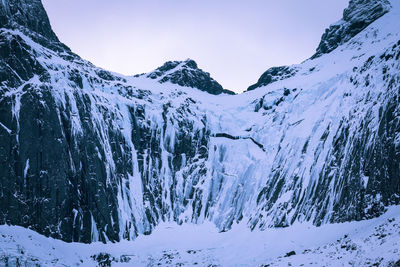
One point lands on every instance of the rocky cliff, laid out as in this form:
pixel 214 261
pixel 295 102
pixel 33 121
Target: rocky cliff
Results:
pixel 88 155
pixel 356 17
pixel 187 73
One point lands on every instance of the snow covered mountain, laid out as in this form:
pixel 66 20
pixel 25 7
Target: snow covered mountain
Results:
pixel 88 155
pixel 186 73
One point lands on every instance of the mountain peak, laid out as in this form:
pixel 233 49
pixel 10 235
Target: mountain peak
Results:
pixel 190 63
pixel 356 17
pixel 187 73
pixel 272 75
pixel 26 15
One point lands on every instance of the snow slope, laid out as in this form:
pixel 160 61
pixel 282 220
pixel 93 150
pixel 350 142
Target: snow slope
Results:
pixel 368 243
pixel 90 155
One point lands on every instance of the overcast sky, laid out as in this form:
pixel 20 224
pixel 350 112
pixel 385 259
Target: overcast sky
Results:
pixel 236 41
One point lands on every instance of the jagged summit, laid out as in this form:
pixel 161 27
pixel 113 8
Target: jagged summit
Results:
pixel 30 17
pixel 89 156
pixel 272 75
pixel 356 17
pixel 187 73
pixel 29 14
pixel 172 65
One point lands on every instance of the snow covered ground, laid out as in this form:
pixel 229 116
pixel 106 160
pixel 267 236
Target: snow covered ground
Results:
pixel 280 139
pixel 373 242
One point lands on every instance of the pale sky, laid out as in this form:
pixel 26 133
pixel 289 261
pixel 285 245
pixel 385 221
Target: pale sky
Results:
pixel 234 40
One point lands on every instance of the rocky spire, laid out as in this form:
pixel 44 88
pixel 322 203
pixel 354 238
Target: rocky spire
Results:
pixel 356 17
pixel 27 15
pixel 187 73
pixel 272 75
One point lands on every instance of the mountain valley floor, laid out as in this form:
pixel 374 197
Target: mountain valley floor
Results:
pixel 374 242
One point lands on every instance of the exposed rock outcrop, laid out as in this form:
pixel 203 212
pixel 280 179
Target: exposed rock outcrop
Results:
pixel 272 75
pixel 187 73
pixel 88 155
pixel 356 17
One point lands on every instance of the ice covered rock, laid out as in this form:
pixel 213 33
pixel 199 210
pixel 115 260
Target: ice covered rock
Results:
pixel 272 75
pixel 29 14
pixel 187 73
pixel 89 155
pixel 356 17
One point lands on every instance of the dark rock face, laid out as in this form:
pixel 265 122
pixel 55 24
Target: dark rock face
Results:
pixel 160 71
pixel 360 173
pixel 272 75
pixel 376 163
pixel 186 73
pixel 64 167
pixel 66 185
pixel 51 182
pixel 16 62
pixel 87 156
pixel 29 14
pixel 358 15
pixel 29 17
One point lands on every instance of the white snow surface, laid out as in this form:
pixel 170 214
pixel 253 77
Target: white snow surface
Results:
pixel 363 243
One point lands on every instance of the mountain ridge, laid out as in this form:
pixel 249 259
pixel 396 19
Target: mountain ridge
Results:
pixel 26 14
pixel 88 155
pixel 356 17
pixel 187 73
